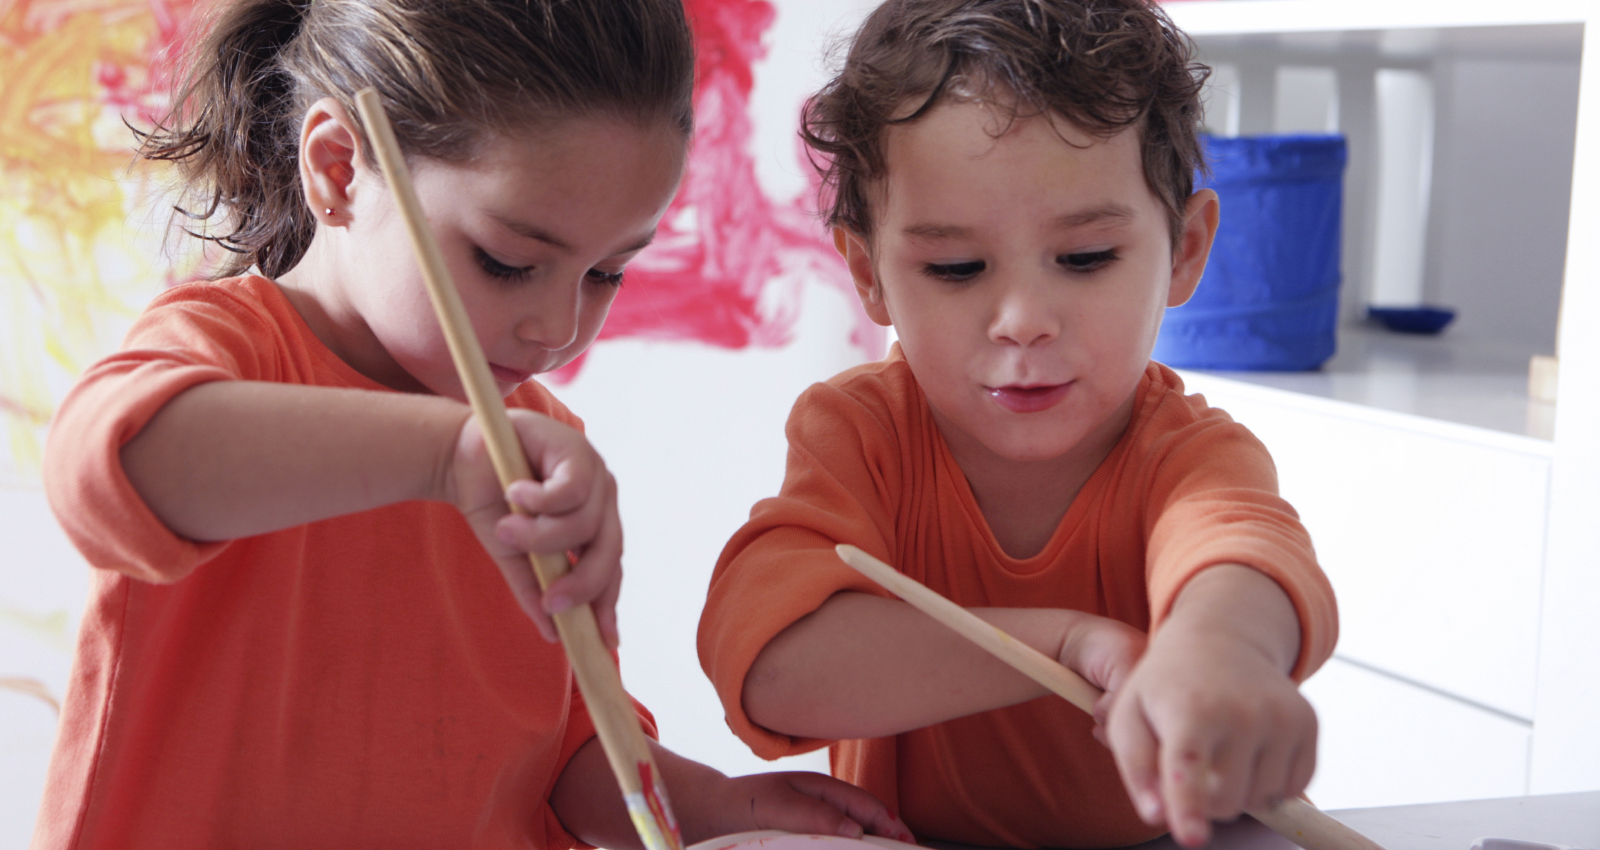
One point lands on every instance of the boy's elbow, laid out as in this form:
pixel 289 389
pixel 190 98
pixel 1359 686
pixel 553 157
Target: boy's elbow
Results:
pixel 763 697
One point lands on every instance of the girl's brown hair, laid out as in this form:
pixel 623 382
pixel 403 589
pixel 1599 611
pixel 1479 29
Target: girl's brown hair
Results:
pixel 1104 65
pixel 450 72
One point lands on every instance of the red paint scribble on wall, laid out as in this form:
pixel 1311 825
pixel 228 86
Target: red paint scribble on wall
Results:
pixel 726 264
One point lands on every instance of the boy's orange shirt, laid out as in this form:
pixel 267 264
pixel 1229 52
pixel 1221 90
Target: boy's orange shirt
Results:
pixel 1185 488
pixel 363 681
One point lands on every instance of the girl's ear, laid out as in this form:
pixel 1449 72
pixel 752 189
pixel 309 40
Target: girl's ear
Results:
pixel 859 259
pixel 1200 217
pixel 329 149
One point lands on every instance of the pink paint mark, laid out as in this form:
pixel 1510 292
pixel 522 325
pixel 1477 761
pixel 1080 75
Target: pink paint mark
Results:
pixel 723 244
pixel 33 416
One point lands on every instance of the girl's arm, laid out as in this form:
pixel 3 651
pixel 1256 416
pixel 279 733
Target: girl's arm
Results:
pixel 709 804
pixel 864 666
pixel 231 459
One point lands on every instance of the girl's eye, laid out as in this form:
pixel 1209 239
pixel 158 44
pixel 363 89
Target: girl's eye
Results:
pixel 954 271
pixel 1087 262
pixel 496 269
pixel 606 278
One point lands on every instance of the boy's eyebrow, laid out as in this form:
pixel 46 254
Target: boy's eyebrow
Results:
pixel 1111 210
pixel 522 228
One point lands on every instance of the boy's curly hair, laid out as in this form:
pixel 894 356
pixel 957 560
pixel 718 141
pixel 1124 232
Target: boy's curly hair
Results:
pixel 1104 65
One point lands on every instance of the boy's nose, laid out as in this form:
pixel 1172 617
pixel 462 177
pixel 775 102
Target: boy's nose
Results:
pixel 1022 316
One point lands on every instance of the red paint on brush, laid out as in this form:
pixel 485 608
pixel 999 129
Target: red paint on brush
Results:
pixel 656 800
pixel 726 265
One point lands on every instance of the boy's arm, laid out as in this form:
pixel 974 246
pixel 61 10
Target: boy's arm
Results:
pixel 709 804
pixel 1209 722
pixel 864 666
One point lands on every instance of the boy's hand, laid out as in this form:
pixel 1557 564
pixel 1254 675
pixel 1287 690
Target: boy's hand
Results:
pixel 573 508
pixel 1209 724
pixel 801 802
pixel 1102 650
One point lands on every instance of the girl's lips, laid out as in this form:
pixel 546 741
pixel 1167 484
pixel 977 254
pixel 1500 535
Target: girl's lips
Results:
pixel 1029 399
pixel 507 376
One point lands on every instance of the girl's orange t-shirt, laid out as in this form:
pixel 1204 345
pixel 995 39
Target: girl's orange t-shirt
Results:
pixel 1185 488
pixel 362 681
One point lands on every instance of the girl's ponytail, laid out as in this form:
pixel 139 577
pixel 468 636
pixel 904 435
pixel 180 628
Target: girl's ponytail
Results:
pixel 234 131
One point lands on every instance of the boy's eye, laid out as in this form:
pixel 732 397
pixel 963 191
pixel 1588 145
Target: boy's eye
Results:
pixel 1087 262
pixel 954 271
pixel 605 277
pixel 496 269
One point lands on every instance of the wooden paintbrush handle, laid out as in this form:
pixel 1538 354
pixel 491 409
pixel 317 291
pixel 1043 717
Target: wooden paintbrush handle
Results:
pixel 624 742
pixel 1293 819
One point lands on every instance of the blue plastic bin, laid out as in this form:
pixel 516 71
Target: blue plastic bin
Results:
pixel 1269 299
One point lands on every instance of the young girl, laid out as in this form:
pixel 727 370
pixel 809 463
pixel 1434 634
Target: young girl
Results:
pixel 295 637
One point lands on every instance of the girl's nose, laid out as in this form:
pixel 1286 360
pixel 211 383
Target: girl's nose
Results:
pixel 550 321
pixel 1023 315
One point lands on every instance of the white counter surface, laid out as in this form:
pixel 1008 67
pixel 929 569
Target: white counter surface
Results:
pixel 1571 820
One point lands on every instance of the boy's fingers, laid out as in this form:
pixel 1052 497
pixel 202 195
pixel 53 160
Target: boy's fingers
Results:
pixel 1272 774
pixel 1186 785
pixel 1232 780
pixel 1135 748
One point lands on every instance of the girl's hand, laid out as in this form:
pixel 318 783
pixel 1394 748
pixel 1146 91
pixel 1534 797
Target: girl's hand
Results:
pixel 1205 728
pixel 571 508
pixel 801 802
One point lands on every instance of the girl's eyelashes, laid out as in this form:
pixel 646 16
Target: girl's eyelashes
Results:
pixel 496 269
pixel 1087 261
pixel 954 271
pixel 514 274
pixel 606 278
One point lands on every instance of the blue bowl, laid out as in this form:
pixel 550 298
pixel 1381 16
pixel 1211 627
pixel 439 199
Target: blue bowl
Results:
pixel 1412 320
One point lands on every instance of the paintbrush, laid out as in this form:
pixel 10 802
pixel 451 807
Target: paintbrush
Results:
pixel 1294 819
pixel 592 665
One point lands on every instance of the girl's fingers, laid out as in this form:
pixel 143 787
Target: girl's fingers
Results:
pixel 524 586
pixel 859 806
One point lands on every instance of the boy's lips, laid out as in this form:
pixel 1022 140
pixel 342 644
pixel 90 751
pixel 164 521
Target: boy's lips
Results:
pixel 1029 399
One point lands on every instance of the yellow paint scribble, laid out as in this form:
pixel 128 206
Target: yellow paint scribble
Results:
pixel 33 688
pixel 80 245
pixel 51 628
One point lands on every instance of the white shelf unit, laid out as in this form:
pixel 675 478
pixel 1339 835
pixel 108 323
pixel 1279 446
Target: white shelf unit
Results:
pixel 1458 520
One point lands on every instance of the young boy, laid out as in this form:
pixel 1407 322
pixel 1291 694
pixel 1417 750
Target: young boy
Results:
pixel 1013 191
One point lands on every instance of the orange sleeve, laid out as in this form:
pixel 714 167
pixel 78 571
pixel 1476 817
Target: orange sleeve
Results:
pixel 1215 501
pixel 781 565
pixel 170 348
